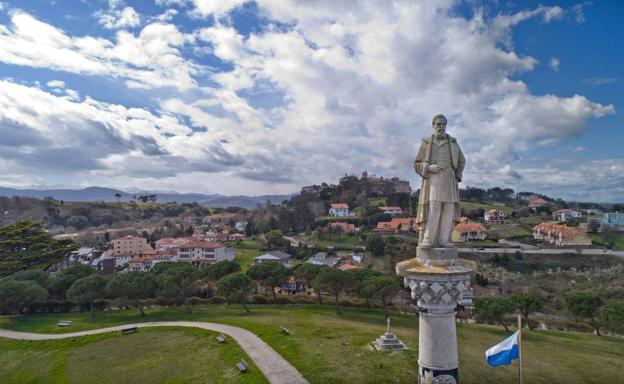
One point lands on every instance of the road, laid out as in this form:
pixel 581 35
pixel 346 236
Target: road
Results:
pixel 274 367
pixel 544 251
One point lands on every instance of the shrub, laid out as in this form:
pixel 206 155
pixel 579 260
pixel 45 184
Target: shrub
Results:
pixel 259 299
pixel 196 300
pixel 216 300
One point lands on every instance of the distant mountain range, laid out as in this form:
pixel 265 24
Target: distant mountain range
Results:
pixel 112 195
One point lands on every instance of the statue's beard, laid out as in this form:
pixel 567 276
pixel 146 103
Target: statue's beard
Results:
pixel 440 135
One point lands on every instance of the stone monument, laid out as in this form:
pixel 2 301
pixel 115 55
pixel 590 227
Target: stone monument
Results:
pixel 437 278
pixel 388 341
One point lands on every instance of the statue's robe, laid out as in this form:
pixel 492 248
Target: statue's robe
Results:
pixel 456 163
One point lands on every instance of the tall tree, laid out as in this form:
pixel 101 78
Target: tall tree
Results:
pixel 26 245
pixel 335 282
pixel 306 273
pixel 384 288
pixel 526 303
pixel 363 288
pixel 269 275
pixel 178 282
pixel 87 290
pixel 376 245
pixel 582 304
pixel 493 309
pixel 36 275
pixel 60 283
pixel 612 317
pixel 18 295
pixel 133 286
pixel 236 288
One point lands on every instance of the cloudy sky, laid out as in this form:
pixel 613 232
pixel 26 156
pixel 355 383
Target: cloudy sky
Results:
pixel 265 96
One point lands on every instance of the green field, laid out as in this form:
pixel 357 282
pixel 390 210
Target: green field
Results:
pixel 325 347
pixel 165 355
pixel 602 239
pixel 245 257
pixel 486 207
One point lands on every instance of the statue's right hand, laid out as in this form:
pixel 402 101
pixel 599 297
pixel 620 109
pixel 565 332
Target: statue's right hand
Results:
pixel 433 168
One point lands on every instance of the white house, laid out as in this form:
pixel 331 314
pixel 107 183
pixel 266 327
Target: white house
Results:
pixel 391 210
pixel 321 258
pixel 340 210
pixel 566 214
pixel 274 257
pixel 494 216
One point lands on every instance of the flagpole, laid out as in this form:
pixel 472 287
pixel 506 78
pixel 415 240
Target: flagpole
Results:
pixel 520 348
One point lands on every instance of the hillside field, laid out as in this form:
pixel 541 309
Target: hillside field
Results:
pixel 325 347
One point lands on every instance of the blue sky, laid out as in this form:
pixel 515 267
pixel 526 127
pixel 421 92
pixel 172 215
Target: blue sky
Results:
pixel 255 97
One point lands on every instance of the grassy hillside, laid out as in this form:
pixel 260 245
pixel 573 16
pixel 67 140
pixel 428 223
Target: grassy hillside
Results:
pixel 330 348
pixel 604 239
pixel 149 356
pixel 470 206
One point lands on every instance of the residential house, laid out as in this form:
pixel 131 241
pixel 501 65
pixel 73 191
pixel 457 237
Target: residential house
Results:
pixel 613 220
pixel 339 210
pixel 170 243
pixel 566 214
pixel 349 267
pixel 594 212
pixel 129 245
pixel 560 235
pixel 537 202
pixel 140 263
pixel 321 258
pixel 240 225
pixel 200 252
pixel 274 257
pixel 396 225
pixel 391 210
pixel 494 216
pixel 346 227
pixel 466 231
pixel 216 237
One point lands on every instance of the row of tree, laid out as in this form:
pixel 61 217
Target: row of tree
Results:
pixel 581 305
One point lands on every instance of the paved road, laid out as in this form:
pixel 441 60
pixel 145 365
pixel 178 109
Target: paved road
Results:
pixel 276 369
pixel 544 251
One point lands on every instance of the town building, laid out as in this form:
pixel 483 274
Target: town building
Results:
pixel 349 267
pixel 566 214
pixel 560 235
pixel 345 227
pixel 202 252
pixel 396 225
pixel 274 257
pixel 613 221
pixel 129 245
pixel 494 216
pixel 321 258
pixel 339 210
pixel 391 210
pixel 537 202
pixel 466 231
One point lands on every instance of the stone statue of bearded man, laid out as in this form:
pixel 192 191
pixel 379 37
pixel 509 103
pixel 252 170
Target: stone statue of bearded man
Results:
pixel 440 162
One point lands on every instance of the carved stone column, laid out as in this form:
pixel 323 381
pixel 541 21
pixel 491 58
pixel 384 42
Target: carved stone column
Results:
pixel 439 281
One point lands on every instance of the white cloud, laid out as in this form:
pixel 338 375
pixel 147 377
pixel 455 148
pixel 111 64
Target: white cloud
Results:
pixel 117 19
pixel 323 89
pixel 56 84
pixel 554 64
pixel 149 59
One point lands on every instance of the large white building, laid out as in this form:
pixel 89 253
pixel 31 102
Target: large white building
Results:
pixel 339 210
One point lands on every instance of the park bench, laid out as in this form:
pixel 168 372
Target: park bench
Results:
pixel 284 330
pixel 221 338
pixel 64 323
pixel 242 365
pixel 125 331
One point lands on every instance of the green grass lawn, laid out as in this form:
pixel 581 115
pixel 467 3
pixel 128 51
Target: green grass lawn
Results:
pixel 164 355
pixel 469 205
pixel 325 347
pixel 600 239
pixel 245 257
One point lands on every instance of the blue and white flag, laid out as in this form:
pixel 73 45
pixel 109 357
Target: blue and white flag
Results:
pixel 504 352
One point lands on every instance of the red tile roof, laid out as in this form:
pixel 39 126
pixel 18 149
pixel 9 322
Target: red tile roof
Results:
pixel 200 244
pixel 340 206
pixel 464 227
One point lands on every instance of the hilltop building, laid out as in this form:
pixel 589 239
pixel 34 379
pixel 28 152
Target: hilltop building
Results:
pixel 560 235
pixel 392 185
pixel 339 210
pixel 566 214
pixel 465 231
pixel 537 202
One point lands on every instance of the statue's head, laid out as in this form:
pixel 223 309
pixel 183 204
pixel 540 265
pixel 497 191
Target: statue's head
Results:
pixel 439 125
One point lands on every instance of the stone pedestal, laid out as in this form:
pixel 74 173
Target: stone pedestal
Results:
pixel 388 341
pixel 438 281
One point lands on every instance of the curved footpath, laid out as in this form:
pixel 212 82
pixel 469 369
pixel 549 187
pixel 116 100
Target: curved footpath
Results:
pixel 274 367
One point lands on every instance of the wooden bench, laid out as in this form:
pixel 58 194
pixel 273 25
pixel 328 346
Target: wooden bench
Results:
pixel 242 365
pixel 64 323
pixel 221 338
pixel 125 331
pixel 284 330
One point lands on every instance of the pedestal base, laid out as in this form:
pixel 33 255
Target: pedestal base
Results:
pixel 389 342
